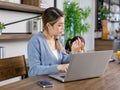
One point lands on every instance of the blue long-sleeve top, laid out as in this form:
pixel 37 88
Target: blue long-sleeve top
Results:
pixel 40 57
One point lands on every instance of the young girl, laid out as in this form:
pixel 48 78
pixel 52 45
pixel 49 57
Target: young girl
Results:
pixel 70 43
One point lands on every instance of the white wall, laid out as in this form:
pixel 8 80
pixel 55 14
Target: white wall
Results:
pixel 12 16
pixel 15 47
pixel 89 37
pixel 50 3
pixel 60 4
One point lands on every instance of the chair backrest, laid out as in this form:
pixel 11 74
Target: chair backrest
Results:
pixel 12 67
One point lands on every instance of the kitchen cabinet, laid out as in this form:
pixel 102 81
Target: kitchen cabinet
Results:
pixel 103 44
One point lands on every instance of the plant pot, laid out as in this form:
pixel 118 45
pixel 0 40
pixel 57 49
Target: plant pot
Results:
pixel 104 22
pixel 104 29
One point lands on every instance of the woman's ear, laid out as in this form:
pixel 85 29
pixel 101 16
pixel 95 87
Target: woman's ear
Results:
pixel 48 24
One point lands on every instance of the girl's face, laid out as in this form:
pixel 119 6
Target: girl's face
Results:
pixel 58 28
pixel 78 45
pixel 80 49
pixel 82 45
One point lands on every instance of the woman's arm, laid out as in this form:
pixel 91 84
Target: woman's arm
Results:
pixel 37 66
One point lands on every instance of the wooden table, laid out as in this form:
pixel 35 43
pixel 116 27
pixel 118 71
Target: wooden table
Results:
pixel 109 81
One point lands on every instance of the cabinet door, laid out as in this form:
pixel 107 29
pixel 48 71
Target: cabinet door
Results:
pixel 31 2
pixel 103 45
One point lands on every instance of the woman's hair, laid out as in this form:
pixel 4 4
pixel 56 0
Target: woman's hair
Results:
pixel 51 15
pixel 70 41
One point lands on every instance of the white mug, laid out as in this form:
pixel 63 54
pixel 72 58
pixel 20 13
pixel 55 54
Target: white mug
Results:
pixel 2 52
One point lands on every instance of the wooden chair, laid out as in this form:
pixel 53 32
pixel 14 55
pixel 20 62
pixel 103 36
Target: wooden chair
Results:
pixel 12 67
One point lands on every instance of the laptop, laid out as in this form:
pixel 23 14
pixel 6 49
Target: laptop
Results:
pixel 84 66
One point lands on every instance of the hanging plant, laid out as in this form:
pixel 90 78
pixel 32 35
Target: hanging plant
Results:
pixel 2 26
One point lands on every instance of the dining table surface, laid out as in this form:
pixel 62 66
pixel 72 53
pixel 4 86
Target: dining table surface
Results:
pixel 110 80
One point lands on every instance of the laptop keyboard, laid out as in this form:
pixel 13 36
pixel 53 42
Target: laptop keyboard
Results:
pixel 62 76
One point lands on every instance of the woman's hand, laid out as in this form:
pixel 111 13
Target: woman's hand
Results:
pixel 63 67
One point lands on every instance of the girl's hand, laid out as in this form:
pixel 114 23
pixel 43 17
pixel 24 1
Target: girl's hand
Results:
pixel 77 46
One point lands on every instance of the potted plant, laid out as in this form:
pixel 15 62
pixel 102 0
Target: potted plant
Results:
pixel 2 26
pixel 75 19
pixel 104 14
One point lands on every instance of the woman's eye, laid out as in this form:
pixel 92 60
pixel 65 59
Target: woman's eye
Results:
pixel 59 25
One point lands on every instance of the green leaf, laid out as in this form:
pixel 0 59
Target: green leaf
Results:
pixel 2 26
pixel 75 18
pixel 104 12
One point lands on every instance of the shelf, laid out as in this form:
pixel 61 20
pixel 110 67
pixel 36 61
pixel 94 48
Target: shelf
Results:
pixel 116 2
pixel 114 21
pixel 114 16
pixel 20 7
pixel 15 36
pixel 114 12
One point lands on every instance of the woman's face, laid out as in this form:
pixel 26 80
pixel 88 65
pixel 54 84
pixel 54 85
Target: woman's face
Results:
pixel 58 28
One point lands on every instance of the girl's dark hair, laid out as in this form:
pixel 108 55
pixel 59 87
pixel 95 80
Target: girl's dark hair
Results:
pixel 70 41
pixel 75 38
pixel 51 15
pixel 68 45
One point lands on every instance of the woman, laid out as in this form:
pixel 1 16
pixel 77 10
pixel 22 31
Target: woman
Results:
pixel 45 52
pixel 70 42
